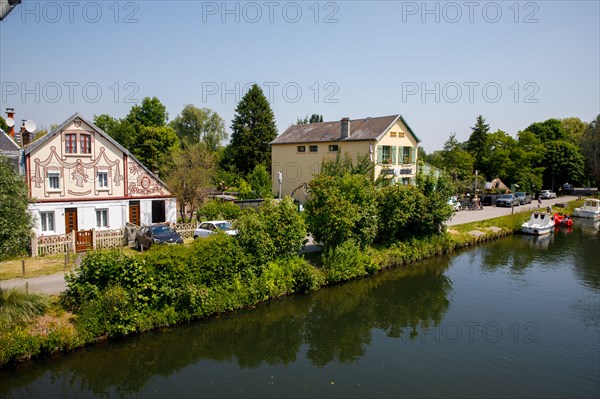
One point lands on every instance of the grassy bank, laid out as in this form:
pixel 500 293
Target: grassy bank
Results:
pixel 114 296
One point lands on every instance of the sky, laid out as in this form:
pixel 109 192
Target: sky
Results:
pixel 439 64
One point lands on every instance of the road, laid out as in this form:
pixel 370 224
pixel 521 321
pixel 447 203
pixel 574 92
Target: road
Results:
pixel 55 283
pixel 490 212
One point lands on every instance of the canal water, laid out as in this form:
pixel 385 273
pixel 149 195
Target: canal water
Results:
pixel 518 317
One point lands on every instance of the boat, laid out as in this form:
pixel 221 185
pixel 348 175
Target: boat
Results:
pixel 539 223
pixel 590 209
pixel 562 220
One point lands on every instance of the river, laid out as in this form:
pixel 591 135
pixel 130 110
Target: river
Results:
pixel 518 317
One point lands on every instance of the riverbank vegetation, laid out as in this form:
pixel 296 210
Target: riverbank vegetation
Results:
pixel 113 295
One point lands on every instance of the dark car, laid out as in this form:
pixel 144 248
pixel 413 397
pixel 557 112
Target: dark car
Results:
pixel 156 234
pixel 507 200
pixel 523 197
pixel 489 200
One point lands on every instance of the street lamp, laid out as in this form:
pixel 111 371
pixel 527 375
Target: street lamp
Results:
pixel 6 7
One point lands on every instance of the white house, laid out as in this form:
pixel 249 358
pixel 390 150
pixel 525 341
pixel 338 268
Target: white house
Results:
pixel 80 178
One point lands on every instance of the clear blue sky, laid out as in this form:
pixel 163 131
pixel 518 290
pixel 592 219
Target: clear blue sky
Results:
pixel 439 64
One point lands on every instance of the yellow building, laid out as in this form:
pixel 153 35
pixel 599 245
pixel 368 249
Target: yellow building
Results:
pixel 298 152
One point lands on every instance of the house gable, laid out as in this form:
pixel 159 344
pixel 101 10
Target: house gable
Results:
pixel 78 161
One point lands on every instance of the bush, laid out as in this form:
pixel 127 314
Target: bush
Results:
pixel 18 307
pixel 346 261
pixel 219 210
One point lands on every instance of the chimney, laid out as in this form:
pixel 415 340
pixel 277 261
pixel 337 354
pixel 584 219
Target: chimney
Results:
pixel 10 113
pixel 25 135
pixel 345 128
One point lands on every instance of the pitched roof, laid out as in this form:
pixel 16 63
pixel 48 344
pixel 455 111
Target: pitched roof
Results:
pixel 38 143
pixel 360 129
pixel 7 143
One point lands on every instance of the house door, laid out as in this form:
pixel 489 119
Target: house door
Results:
pixel 134 212
pixel 70 220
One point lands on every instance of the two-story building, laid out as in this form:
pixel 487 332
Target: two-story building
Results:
pixel 299 151
pixel 79 178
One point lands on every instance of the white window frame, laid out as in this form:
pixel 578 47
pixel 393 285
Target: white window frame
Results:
pixel 102 181
pixel 56 177
pixel 47 222
pixel 102 218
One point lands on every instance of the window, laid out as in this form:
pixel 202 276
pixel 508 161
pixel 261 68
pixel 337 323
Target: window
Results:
pixel 406 181
pixel 101 218
pixel 393 134
pixel 47 219
pixel 313 148
pixel 301 148
pixel 102 179
pixel 71 143
pixel 406 154
pixel 401 134
pixel 54 181
pixel 333 147
pixel 86 143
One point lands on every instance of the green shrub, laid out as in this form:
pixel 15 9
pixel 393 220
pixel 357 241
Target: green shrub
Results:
pixel 219 210
pixel 345 262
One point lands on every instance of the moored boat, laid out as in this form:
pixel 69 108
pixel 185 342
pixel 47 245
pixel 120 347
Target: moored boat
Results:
pixel 539 223
pixel 590 209
pixel 562 220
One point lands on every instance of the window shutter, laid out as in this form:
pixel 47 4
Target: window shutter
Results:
pixel 393 155
pixel 414 155
pixel 379 154
pixel 400 155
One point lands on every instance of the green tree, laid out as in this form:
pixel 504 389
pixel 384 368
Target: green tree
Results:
pixel 565 164
pixel 549 130
pixel 275 230
pixel 154 147
pixel 478 145
pixel 574 128
pixel 121 130
pixel 151 113
pixel 499 162
pixel 3 125
pixel 200 125
pixel 191 177
pixel 455 160
pixel 316 118
pixel 260 181
pixel 15 220
pixel 253 129
pixel 591 148
pixel 342 208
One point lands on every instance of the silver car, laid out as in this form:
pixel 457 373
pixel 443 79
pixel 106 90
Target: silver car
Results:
pixel 211 227
pixel 547 194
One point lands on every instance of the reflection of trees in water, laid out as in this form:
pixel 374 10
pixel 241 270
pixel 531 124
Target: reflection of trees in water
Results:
pixel 334 323
pixel 517 252
pixel 587 264
pixel 588 312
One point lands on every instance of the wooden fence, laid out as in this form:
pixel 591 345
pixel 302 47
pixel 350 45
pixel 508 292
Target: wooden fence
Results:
pixel 63 243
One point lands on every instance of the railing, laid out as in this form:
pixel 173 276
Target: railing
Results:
pixel 103 239
pixel 63 243
pixel 185 230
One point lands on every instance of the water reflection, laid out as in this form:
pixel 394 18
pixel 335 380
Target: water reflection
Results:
pixel 334 324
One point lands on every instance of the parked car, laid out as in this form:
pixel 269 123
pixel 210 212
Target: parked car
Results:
pixel 507 200
pixel 523 197
pixel 156 234
pixel 547 194
pixel 568 188
pixel 206 229
pixel 489 199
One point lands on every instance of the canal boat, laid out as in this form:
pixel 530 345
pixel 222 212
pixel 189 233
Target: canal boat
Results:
pixel 539 223
pixel 590 209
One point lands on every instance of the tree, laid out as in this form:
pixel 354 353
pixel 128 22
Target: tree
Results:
pixel 574 128
pixel 121 130
pixel 456 161
pixel 151 113
pixel 253 129
pixel 3 125
pixel 15 220
pixel 341 209
pixel 565 164
pixel 191 176
pixel 549 130
pixel 591 149
pixel 260 182
pixel 316 118
pixel 200 125
pixel 477 145
pixel 154 146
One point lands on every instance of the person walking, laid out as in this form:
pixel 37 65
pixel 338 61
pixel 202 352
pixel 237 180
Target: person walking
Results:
pixel 539 201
